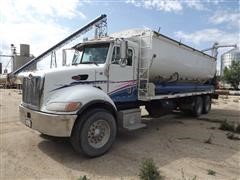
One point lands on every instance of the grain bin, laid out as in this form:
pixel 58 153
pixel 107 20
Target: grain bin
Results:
pixel 228 57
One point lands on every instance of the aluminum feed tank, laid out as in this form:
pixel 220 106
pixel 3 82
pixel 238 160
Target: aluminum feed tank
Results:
pixel 171 61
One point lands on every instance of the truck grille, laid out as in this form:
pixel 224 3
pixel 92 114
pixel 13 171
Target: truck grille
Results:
pixel 32 90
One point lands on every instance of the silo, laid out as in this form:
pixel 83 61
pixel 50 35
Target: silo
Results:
pixel 24 50
pixel 22 58
pixel 228 57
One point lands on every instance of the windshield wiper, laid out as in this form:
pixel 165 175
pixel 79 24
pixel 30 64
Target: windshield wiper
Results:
pixel 90 62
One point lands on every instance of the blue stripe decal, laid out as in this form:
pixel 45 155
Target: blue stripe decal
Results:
pixel 126 95
pixel 89 82
pixel 174 88
pixel 78 83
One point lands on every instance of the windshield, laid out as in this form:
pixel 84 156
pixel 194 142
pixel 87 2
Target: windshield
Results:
pixel 91 53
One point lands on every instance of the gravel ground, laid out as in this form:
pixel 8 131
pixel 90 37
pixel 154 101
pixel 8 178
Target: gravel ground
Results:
pixel 175 142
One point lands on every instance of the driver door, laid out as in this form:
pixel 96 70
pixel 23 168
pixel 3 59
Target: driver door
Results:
pixel 122 81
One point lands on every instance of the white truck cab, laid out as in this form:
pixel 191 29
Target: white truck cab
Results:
pixel 109 79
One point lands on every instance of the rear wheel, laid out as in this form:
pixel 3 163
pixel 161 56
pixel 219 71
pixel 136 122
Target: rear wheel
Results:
pixel 198 106
pixel 94 133
pixel 206 104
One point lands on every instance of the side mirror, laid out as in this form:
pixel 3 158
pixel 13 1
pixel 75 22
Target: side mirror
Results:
pixel 64 57
pixel 123 49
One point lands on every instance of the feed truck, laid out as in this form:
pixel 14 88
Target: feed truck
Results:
pixel 108 81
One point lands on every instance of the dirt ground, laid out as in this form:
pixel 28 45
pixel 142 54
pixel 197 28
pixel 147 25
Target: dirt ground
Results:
pixel 175 142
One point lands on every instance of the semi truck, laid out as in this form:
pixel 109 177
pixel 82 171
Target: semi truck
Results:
pixel 108 81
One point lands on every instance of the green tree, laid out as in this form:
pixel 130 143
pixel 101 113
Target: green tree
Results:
pixel 231 74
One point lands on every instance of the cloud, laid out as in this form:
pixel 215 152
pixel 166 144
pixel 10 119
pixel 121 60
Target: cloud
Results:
pixel 37 23
pixel 41 34
pixel 195 5
pixel 161 5
pixel 208 36
pixel 171 5
pixel 28 9
pixel 228 17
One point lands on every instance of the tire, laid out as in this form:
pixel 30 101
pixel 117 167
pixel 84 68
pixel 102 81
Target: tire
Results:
pixel 206 104
pixel 94 133
pixel 198 106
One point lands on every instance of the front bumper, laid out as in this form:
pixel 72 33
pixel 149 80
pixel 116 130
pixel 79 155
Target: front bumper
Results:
pixel 50 124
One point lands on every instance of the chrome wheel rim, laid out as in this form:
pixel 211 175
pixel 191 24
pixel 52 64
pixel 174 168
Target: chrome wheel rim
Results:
pixel 98 133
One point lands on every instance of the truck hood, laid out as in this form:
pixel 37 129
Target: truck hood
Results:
pixel 59 78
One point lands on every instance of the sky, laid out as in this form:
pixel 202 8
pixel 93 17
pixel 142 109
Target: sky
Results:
pixel 198 23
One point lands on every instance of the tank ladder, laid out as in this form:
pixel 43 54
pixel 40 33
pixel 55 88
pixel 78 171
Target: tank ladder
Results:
pixel 143 67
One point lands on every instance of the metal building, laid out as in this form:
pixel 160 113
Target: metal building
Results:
pixel 228 57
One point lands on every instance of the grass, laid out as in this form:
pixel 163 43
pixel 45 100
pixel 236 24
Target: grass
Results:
pixel 83 178
pixel 227 126
pixel 232 136
pixel 233 128
pixel 230 126
pixel 237 130
pixel 211 172
pixel 149 171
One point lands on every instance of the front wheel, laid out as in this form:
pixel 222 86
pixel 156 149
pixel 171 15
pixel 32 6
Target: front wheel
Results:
pixel 94 133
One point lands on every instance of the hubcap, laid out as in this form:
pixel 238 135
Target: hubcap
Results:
pixel 98 133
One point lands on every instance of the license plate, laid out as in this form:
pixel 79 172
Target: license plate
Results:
pixel 28 122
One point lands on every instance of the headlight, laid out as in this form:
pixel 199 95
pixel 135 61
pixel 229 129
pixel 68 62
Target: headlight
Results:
pixel 63 106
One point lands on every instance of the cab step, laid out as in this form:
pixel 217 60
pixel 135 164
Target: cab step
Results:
pixel 135 126
pixel 130 119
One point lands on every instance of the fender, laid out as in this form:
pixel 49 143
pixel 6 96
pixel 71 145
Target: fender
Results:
pixel 85 94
